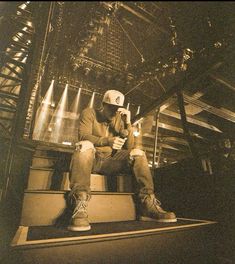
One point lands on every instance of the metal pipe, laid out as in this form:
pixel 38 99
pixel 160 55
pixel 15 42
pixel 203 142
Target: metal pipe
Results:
pixel 185 124
pixel 135 12
pixel 156 136
pixel 222 81
pixel 131 10
pixel 159 156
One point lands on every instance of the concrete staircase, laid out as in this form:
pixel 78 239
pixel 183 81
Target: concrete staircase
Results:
pixel 116 236
pixel 47 207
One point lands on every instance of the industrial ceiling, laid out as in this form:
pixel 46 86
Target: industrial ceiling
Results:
pixel 157 53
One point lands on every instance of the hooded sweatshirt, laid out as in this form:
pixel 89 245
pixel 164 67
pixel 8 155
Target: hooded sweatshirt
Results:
pixel 94 127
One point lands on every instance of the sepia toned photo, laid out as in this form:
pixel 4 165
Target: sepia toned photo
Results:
pixel 117 132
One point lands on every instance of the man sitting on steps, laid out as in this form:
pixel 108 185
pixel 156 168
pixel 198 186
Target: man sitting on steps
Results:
pixel 103 133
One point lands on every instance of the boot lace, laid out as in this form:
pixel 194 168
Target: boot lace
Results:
pixel 80 207
pixel 154 202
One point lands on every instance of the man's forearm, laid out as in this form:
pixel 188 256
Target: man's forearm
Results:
pixel 130 139
pixel 97 141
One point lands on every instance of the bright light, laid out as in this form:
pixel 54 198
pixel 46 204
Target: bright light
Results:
pixel 20 34
pixel 43 114
pixel 75 104
pixel 138 110
pixel 58 116
pixel 91 104
pixel 74 115
pixel 67 143
pixel 24 59
pixel 23 6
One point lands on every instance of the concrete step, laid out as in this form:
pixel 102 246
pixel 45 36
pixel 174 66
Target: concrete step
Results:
pixel 47 179
pixel 49 207
pixel 43 162
pixel 40 179
pixel 187 241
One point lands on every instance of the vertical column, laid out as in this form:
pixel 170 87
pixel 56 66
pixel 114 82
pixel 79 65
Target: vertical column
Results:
pixel 31 83
pixel 157 113
pixel 185 124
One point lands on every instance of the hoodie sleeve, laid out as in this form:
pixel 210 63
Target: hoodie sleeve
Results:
pixel 120 126
pixel 130 139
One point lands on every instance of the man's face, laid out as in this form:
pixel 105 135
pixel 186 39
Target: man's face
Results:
pixel 110 111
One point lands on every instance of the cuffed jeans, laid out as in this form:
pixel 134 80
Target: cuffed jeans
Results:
pixel 86 160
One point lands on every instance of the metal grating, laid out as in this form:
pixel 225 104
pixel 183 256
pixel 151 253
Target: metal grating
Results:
pixel 109 48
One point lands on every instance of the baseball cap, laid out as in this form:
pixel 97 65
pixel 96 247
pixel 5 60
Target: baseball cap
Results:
pixel 113 97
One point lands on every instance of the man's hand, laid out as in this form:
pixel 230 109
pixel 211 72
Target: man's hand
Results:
pixel 126 115
pixel 116 142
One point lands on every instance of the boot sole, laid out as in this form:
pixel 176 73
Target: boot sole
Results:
pixel 79 228
pixel 145 218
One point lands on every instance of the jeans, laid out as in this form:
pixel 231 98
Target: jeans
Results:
pixel 86 160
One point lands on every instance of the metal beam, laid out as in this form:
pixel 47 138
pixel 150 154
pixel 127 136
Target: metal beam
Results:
pixel 131 10
pixel 9 85
pixel 19 44
pixel 222 81
pixel 192 120
pixel 146 11
pixel 18 74
pixel 176 140
pixel 155 136
pixel 170 156
pixel 8 95
pixel 30 86
pixel 8 77
pixel 180 141
pixel 139 15
pixel 185 125
pixel 192 76
pixel 7 108
pixel 221 112
pixel 163 145
pixel 175 129
pixel 7 58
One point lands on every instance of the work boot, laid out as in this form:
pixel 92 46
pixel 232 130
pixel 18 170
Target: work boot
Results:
pixel 79 220
pixel 150 210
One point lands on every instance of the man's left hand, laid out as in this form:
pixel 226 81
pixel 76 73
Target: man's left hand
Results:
pixel 126 114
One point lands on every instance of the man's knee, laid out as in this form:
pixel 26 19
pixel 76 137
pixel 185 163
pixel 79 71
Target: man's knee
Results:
pixel 84 154
pixel 84 145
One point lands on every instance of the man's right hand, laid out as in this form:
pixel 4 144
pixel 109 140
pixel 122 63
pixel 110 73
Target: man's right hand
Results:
pixel 116 142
